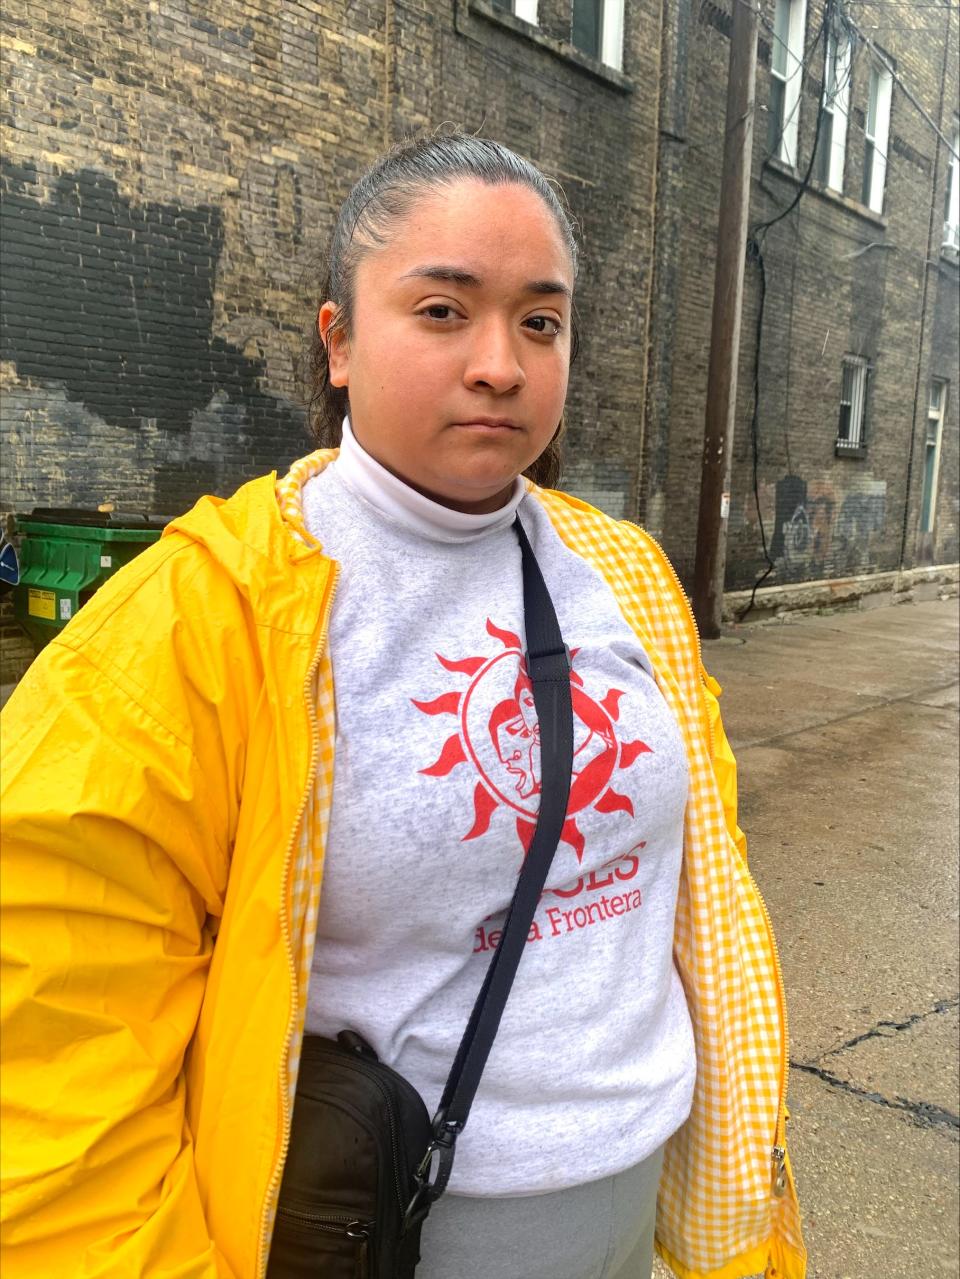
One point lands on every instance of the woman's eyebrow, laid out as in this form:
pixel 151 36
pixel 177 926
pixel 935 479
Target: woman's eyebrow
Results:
pixel 449 274
pixel 455 275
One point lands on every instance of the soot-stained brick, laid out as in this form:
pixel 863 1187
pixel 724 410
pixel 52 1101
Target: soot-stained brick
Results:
pixel 116 301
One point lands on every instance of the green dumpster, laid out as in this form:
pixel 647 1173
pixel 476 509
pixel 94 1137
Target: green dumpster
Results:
pixel 66 554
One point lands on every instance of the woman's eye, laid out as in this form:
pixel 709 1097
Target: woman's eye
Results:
pixel 544 324
pixel 438 312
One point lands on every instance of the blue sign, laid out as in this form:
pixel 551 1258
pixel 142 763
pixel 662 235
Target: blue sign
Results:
pixel 9 564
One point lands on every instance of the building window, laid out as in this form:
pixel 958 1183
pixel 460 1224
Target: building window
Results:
pixel 877 133
pixel 786 70
pixel 597 30
pixel 931 457
pixel 525 9
pixel 832 143
pixel 853 403
pixel 951 203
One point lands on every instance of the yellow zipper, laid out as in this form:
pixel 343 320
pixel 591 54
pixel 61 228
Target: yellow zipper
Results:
pixel 778 1152
pixel 285 1115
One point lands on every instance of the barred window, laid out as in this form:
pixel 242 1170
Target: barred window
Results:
pixel 853 404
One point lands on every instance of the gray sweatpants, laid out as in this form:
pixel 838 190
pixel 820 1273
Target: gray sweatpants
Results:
pixel 599 1230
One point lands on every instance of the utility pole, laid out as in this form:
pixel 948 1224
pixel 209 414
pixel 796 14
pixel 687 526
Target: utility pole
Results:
pixel 725 328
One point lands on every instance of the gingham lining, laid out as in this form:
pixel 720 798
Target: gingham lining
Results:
pixel 715 1207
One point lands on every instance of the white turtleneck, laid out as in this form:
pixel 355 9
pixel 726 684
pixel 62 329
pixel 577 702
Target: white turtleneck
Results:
pixel 372 483
pixel 435 797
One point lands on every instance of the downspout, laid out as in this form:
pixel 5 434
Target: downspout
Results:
pixel 654 243
pixel 927 262
pixel 387 72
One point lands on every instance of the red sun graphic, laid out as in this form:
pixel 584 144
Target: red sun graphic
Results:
pixel 499 734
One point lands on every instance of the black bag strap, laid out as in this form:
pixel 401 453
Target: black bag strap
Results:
pixel 548 665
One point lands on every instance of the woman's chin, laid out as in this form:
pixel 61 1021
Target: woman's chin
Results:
pixel 473 493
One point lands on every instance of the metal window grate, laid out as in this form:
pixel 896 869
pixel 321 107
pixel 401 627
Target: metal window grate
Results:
pixel 853 403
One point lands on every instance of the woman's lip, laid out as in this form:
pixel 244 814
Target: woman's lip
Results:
pixel 490 423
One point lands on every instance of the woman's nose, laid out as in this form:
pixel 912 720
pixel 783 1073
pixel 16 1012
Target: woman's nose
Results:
pixel 493 363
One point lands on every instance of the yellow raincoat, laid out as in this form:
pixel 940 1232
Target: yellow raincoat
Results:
pixel 167 774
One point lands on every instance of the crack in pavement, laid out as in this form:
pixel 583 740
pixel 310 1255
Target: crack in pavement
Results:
pixel 879 1031
pixel 743 744
pixel 923 1113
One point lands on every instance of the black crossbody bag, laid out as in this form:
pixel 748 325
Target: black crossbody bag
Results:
pixel 365 1161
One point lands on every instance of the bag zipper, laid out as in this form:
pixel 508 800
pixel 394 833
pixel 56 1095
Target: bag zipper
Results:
pixel 339 1222
pixel 778 1153
pixel 273 1186
pixel 393 1121
pixel 342 1224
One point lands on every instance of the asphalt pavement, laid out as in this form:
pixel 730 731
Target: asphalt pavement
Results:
pixel 845 730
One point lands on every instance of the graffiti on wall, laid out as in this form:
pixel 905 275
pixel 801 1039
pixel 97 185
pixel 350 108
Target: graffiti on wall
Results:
pixel 824 530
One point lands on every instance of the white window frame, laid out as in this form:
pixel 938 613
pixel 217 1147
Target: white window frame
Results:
pixel 951 209
pixel 792 80
pixel 836 103
pixel 935 414
pixel 611 33
pixel 880 137
pixel 857 402
pixel 525 9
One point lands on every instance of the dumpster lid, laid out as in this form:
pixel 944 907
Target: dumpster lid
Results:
pixel 94 519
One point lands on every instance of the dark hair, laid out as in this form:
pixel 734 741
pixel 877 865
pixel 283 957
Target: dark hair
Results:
pixel 384 195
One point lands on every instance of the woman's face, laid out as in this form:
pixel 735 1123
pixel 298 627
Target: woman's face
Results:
pixel 459 348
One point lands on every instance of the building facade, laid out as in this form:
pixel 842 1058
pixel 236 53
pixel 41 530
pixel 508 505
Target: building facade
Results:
pixel 171 172
pixel 171 176
pixel 845 451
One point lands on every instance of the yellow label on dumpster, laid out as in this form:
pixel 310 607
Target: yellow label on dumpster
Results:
pixel 42 604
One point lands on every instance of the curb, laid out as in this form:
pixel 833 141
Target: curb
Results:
pixel 869 590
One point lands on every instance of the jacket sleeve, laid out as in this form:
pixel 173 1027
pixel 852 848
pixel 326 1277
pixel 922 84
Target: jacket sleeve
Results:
pixel 114 871
pixel 724 762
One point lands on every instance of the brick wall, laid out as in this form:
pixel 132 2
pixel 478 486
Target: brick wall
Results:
pixel 171 173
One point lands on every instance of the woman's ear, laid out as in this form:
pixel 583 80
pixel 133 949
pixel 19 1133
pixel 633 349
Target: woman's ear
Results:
pixel 335 340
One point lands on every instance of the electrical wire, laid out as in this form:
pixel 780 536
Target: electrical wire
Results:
pixel 884 60
pixel 755 242
pixel 801 69
pixel 903 4
pixel 760 230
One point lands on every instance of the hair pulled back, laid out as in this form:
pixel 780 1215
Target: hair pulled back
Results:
pixel 382 197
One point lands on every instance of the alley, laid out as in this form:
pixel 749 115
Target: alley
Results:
pixel 845 729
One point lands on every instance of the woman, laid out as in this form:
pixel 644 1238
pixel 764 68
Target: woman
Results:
pixel 320 680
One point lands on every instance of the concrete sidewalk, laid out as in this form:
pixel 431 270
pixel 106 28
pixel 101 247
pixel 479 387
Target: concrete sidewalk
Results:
pixel 845 729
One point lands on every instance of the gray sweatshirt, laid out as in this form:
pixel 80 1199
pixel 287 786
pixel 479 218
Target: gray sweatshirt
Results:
pixel 435 798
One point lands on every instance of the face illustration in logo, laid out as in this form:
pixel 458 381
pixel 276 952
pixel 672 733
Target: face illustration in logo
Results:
pixel 515 731
pixel 500 737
